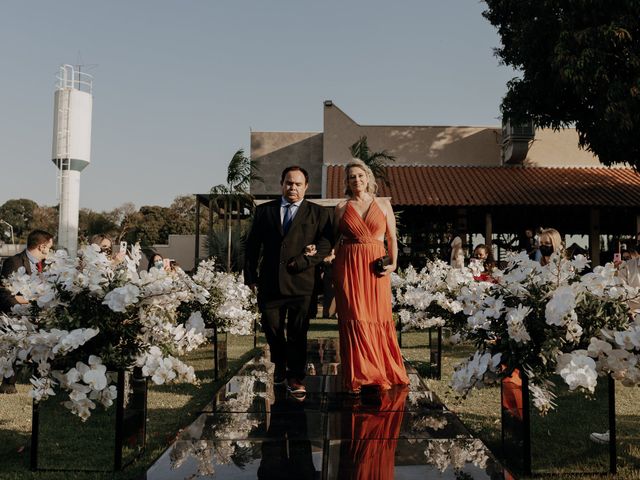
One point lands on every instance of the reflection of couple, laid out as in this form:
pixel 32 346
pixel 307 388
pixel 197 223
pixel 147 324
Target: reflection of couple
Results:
pixel 287 451
pixel 294 236
pixel 373 437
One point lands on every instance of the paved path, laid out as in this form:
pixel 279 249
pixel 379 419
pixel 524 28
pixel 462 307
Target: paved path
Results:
pixel 255 430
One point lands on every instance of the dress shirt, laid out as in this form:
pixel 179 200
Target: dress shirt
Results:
pixel 283 208
pixel 33 261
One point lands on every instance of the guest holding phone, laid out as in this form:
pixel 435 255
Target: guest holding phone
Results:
pixel 105 243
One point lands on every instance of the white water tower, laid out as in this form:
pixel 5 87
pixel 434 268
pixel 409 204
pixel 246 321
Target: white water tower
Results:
pixel 71 150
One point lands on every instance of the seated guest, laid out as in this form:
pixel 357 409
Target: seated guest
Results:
pixel 482 263
pixel 155 261
pixel 550 242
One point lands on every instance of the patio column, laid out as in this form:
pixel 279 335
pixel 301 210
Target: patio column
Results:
pixel 488 229
pixel 594 236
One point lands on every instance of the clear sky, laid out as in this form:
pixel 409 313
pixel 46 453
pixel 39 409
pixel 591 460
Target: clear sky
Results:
pixel 179 84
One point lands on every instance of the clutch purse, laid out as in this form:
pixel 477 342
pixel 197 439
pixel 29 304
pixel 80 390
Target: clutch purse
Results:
pixel 380 263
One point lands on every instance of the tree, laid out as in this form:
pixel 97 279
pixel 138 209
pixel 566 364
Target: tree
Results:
pixel 19 214
pixel 91 223
pixel 376 161
pixel 241 172
pixel 45 218
pixel 126 217
pixel 580 65
pixel 184 208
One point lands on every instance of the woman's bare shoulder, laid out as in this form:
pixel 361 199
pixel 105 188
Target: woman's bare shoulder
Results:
pixel 342 204
pixel 384 204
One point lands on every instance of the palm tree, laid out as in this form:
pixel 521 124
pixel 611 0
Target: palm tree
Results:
pixel 376 161
pixel 241 172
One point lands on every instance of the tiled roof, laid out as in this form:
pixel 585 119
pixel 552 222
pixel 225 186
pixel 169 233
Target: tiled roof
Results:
pixel 480 186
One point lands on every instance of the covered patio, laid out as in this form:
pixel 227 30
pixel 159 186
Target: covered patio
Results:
pixel 494 205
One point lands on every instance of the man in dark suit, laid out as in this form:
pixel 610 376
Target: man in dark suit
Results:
pixel 282 231
pixel 39 243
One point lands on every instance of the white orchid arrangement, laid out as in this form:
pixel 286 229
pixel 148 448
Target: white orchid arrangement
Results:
pixel 88 316
pixel 456 453
pixel 232 306
pixel 547 320
pixel 428 298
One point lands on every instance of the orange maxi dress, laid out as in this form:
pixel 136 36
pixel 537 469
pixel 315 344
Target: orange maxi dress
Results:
pixel 368 344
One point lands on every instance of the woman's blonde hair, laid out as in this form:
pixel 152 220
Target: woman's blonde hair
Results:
pixel 372 186
pixel 556 240
pixel 99 237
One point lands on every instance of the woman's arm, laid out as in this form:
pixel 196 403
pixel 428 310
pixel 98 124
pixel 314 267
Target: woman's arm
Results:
pixel 337 217
pixel 392 240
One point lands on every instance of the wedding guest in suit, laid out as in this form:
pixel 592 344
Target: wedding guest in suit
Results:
pixel 39 243
pixel 32 258
pixel 276 263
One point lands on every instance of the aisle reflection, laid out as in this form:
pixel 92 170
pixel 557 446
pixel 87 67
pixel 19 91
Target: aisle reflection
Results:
pixel 373 429
pixel 286 449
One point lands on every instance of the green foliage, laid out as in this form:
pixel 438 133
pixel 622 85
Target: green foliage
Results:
pixel 375 160
pixel 19 214
pixel 241 172
pixel 92 223
pixel 218 246
pixel 150 225
pixel 154 224
pixel 184 208
pixel 579 64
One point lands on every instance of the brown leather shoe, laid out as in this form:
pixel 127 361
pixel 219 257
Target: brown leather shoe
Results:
pixel 296 387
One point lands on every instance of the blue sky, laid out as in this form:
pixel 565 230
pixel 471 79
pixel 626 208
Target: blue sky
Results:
pixel 179 84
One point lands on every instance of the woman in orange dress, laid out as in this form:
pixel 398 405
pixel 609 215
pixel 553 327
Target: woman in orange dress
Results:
pixel 368 344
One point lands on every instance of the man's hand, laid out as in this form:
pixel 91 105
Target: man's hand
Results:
pixel 310 250
pixel 21 300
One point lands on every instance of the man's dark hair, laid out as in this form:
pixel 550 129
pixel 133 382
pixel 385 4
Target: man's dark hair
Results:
pixel 632 249
pixel 294 168
pixel 37 238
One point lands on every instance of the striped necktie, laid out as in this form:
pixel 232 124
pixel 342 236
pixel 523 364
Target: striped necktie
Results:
pixel 288 217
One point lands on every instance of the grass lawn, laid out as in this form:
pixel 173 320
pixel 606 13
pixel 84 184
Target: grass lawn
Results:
pixel 173 407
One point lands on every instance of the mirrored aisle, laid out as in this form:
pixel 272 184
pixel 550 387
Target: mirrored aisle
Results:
pixel 253 429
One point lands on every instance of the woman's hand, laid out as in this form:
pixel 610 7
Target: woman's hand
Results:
pixel 388 270
pixel 310 250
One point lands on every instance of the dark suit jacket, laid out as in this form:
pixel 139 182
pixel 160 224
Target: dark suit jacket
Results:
pixel 10 265
pixel 311 225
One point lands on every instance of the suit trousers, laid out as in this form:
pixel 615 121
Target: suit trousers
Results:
pixel 287 313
